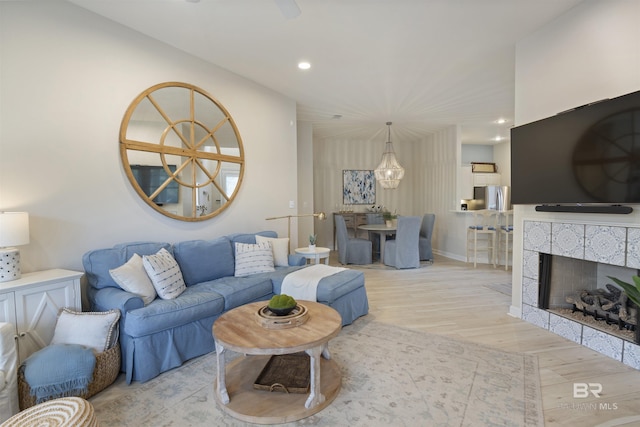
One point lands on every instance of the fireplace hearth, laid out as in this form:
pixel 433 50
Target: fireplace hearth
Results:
pixel 626 332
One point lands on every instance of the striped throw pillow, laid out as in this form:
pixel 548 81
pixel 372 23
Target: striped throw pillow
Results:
pixel 165 274
pixel 253 259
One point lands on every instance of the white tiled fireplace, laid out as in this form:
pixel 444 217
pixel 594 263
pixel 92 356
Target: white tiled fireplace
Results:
pixel 613 245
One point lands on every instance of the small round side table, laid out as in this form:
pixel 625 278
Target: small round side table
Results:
pixel 316 254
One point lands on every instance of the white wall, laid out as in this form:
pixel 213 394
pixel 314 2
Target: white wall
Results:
pixel 590 53
pixel 436 168
pixel 502 158
pixel 306 225
pixel 66 78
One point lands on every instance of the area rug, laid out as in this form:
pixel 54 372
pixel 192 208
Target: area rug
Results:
pixel 391 376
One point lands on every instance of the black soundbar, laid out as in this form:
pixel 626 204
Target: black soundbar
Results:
pixel 609 209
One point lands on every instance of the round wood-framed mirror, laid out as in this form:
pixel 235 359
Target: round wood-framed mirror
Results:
pixel 182 151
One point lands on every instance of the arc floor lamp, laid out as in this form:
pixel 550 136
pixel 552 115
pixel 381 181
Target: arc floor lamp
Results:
pixel 320 215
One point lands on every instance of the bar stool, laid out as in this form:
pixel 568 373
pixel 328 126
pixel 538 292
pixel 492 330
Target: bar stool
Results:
pixel 505 236
pixel 482 235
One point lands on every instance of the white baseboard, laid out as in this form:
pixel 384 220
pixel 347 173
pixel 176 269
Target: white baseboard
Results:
pixel 515 312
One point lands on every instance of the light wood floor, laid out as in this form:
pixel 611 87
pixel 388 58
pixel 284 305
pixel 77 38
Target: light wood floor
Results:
pixel 454 299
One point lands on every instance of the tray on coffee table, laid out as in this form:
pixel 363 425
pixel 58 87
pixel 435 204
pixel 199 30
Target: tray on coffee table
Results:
pixel 268 319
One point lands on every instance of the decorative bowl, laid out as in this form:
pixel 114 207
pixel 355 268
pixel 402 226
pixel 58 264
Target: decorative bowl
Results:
pixel 282 311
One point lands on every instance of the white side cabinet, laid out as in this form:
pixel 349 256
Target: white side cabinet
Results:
pixel 32 303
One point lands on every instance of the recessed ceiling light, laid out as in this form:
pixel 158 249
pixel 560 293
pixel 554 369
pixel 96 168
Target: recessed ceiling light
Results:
pixel 304 65
pixel 497 138
pixel 501 121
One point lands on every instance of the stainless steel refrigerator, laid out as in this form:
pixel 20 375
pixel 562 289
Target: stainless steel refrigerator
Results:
pixel 496 197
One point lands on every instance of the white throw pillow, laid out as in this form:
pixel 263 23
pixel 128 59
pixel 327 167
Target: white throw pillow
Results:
pixel 253 259
pixel 97 330
pixel 165 274
pixel 280 248
pixel 132 277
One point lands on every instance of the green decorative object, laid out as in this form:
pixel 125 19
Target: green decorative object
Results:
pixel 388 216
pixel 282 304
pixel 312 239
pixel 633 291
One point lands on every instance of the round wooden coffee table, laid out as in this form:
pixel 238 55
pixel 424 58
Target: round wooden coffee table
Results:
pixel 239 331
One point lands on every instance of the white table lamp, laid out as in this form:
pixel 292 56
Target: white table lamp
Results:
pixel 14 231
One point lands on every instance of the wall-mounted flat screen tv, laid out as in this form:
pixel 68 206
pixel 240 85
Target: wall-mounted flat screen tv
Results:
pixel 150 178
pixel 590 154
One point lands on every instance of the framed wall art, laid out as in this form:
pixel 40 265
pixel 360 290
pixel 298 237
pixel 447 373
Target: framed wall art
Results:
pixel 358 187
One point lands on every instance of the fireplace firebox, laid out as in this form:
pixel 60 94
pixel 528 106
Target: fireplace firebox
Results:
pixel 582 291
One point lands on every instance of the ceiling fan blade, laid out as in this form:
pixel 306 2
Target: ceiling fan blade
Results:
pixel 288 8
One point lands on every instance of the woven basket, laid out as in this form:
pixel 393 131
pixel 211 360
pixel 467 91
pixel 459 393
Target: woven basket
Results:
pixel 104 374
pixel 66 411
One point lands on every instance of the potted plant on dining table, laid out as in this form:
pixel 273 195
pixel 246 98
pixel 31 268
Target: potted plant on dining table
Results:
pixel 390 219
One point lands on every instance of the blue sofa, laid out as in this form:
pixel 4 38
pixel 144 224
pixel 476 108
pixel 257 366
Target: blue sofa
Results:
pixel 165 333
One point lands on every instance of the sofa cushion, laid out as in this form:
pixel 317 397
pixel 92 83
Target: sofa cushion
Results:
pixel 253 259
pixel 98 262
pixel 250 238
pixel 143 248
pixel 238 291
pixel 192 305
pixel 132 277
pixel 204 260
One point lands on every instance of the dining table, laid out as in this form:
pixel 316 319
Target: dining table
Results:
pixel 383 230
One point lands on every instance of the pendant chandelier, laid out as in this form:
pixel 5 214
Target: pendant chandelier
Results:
pixel 389 172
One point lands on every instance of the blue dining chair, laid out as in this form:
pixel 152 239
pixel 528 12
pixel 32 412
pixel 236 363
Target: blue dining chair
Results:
pixel 351 250
pixel 403 252
pixel 426 232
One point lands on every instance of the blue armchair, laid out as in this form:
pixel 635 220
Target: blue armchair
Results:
pixel 426 231
pixel 403 252
pixel 351 250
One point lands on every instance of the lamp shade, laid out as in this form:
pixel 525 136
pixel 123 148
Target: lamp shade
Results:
pixel 14 228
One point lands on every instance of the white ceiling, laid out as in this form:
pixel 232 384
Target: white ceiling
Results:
pixel 422 64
